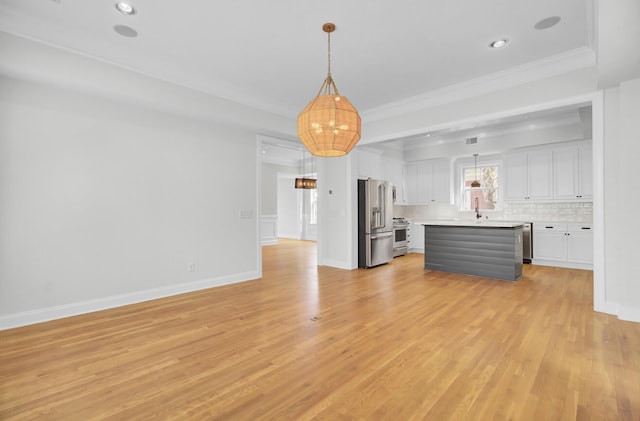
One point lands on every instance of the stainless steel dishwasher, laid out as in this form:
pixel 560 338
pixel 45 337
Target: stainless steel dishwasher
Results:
pixel 527 242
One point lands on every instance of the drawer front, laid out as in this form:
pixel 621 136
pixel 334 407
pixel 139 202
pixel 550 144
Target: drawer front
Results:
pixel 583 228
pixel 550 226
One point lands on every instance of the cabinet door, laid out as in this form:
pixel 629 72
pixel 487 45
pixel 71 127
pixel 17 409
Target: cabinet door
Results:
pixel 539 174
pixel 368 164
pixel 573 173
pixel 566 173
pixel 416 237
pixel 580 243
pixel 425 182
pixel 550 242
pixel 516 176
pixel 441 182
pixel 412 183
pixel 393 170
pixel 428 182
pixel 586 172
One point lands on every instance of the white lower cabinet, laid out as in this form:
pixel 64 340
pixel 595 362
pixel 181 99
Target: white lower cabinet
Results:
pixel 416 238
pixel 580 243
pixel 563 244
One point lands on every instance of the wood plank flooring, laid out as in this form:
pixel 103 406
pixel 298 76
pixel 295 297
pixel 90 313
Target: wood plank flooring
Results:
pixel 395 342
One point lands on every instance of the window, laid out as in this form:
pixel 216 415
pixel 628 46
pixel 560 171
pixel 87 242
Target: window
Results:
pixel 313 206
pixel 487 194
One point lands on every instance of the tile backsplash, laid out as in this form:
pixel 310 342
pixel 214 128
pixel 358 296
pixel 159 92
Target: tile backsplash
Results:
pixel 526 212
pixel 555 212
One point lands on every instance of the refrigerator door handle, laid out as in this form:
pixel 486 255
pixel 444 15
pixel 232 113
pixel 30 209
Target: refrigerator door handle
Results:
pixel 382 204
pixel 382 235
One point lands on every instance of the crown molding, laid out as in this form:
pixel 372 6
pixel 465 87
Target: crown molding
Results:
pixel 558 64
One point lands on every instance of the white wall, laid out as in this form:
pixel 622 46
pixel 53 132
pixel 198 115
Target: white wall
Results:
pixel 622 202
pixel 270 187
pixel 337 207
pixel 104 203
pixel 289 202
pixel 618 32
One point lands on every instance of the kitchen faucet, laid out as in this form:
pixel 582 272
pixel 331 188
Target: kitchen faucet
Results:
pixel 478 216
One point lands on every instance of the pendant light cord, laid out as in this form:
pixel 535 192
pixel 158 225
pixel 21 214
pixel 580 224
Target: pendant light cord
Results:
pixel 475 165
pixel 329 54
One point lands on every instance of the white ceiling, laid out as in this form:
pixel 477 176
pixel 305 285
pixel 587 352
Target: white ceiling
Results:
pixel 273 54
pixel 576 114
pixel 287 153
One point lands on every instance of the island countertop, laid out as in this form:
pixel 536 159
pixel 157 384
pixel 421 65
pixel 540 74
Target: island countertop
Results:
pixel 468 223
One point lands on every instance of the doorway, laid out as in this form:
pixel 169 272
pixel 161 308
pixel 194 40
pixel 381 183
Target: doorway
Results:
pixel 286 211
pixel 297 209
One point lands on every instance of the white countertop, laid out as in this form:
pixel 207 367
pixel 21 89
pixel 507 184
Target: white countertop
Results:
pixel 468 223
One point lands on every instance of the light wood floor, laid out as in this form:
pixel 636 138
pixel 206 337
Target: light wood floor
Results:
pixel 390 343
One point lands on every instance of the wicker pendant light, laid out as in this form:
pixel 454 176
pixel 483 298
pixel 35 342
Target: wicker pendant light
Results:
pixel 329 125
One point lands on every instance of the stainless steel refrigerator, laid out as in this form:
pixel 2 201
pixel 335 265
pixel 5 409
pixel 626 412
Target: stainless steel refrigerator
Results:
pixel 375 222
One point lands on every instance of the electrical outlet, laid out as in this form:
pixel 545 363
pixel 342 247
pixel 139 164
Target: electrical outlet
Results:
pixel 191 266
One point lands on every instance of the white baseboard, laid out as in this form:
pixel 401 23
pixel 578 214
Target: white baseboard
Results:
pixel 611 308
pixel 340 264
pixel 269 229
pixel 568 265
pixel 631 314
pixel 290 236
pixel 58 312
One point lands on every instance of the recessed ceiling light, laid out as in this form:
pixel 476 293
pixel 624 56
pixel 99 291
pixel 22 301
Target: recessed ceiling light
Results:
pixel 499 43
pixel 125 8
pixel 547 23
pixel 125 31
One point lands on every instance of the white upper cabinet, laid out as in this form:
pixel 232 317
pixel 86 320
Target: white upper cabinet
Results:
pixel 561 172
pixel 393 170
pixel 573 172
pixel 369 164
pixel 529 175
pixel 428 182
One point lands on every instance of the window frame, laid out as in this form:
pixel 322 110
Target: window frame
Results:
pixel 483 161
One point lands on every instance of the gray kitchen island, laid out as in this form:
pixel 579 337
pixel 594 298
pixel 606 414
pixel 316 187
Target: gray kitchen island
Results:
pixel 491 249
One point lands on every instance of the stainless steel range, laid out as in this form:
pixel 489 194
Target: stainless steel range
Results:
pixel 400 237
